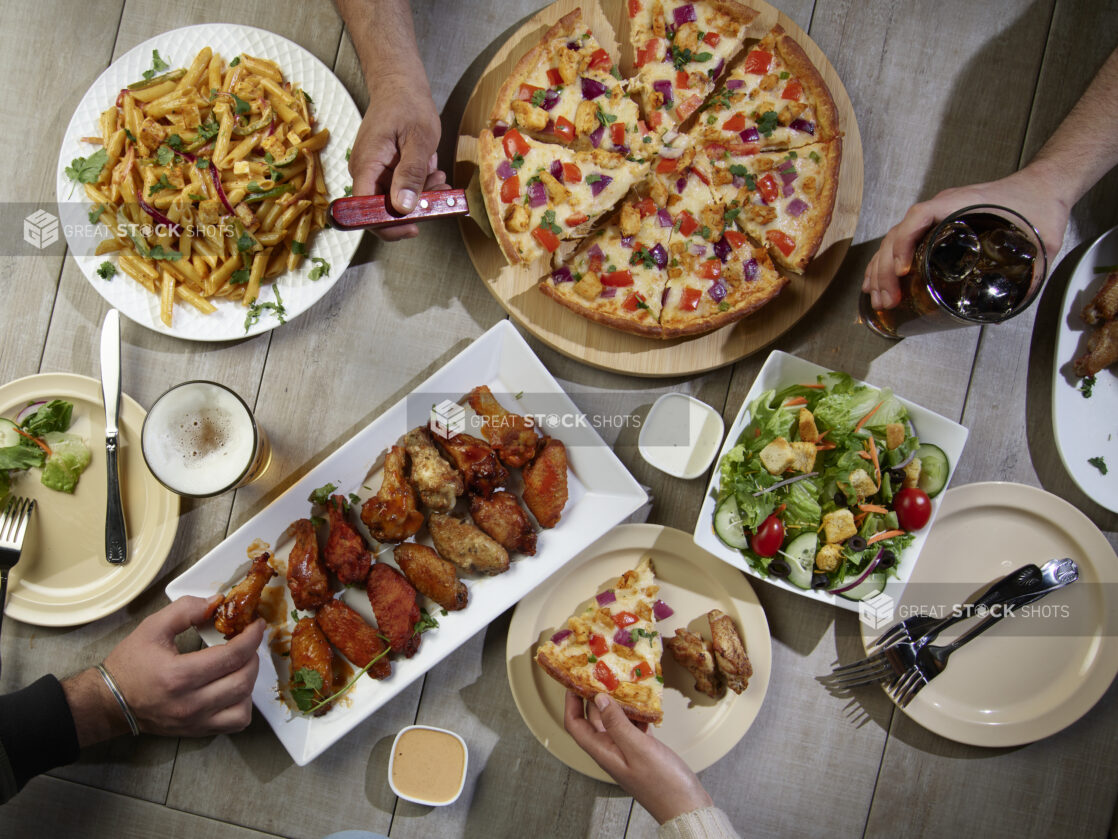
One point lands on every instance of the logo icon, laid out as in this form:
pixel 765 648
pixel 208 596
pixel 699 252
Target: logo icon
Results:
pixel 877 611
pixel 40 229
pixel 447 419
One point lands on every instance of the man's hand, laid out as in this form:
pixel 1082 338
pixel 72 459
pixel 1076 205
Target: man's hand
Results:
pixel 208 691
pixel 1024 191
pixel 644 767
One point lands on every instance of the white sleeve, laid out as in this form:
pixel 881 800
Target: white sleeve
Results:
pixel 704 823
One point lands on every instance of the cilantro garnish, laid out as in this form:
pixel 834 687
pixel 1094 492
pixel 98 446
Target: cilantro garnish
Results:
pixel 307 96
pixel 348 152
pixel 256 309
pixel 164 156
pixel 106 270
pixel 604 118
pixel 306 687
pixel 202 163
pixel 1098 463
pixel 158 65
pixel 160 252
pixel 641 304
pixel 731 214
pixel 538 97
pixel 1086 386
pixel 87 170
pixel 245 242
pixel 517 161
pixel 348 191
pixel 739 170
pixel 298 248
pixel 593 178
pixel 95 213
pixel 239 277
pixel 425 623
pixel 767 123
pixel 208 129
pixel 643 256
pixel 321 268
pixel 235 61
pixel 705 232
pixel 321 495
pixel 175 142
pixel 750 181
pixel 548 222
pixel 159 185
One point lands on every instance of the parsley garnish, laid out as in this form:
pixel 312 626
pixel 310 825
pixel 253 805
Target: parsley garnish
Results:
pixel 641 304
pixel 321 495
pixel 321 268
pixel 306 686
pixel 354 499
pixel 175 142
pixel 87 170
pixel 1086 386
pixel 646 139
pixel 348 191
pixel 240 106
pixel 768 121
pixel 239 277
pixel 159 185
pixel 245 242
pixel 739 170
pixel 517 161
pixel 604 118
pixel 235 61
pixel 106 270
pixel 538 97
pixel 426 622
pixel 194 196
pixel 548 222
pixel 208 129
pixel 298 248
pixel 784 74
pixel 95 213
pixel 814 156
pixel 164 156
pixel 750 182
pixel 1098 463
pixel 643 256
pixel 307 96
pixel 348 152
pixel 705 232
pixel 593 178
pixel 159 252
pixel 255 309
pixel 130 137
pixel 158 65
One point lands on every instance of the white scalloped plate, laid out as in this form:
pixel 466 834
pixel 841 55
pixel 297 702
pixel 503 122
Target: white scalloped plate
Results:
pixel 333 109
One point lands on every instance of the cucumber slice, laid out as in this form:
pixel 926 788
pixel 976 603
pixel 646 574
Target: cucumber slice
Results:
pixel 934 469
pixel 8 434
pixel 870 586
pixel 727 524
pixel 801 559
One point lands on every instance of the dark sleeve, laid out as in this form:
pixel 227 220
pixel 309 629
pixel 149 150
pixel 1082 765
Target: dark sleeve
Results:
pixel 36 734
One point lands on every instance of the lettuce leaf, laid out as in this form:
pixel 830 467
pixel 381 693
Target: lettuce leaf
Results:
pixel 68 459
pixel 21 456
pixel 54 416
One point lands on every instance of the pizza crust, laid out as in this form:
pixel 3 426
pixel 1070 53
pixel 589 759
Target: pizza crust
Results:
pixel 588 689
pixel 599 314
pixel 793 55
pixel 565 27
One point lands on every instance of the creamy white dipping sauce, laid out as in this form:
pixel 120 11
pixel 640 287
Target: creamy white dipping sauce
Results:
pixel 681 435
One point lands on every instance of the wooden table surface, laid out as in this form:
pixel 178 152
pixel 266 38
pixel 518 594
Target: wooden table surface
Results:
pixel 947 93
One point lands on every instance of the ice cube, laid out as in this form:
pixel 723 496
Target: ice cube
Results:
pixel 1007 246
pixel 954 252
pixel 990 297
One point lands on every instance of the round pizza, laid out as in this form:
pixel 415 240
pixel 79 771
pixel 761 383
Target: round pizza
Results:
pixel 675 201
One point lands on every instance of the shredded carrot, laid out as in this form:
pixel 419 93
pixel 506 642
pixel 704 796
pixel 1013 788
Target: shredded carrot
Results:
pixel 825 447
pixel 864 455
pixel 862 421
pixel 780 509
pixel 884 534
pixel 797 400
pixel 861 517
pixel 872 446
pixel 813 387
pixel 34 440
pixel 756 432
pixel 873 508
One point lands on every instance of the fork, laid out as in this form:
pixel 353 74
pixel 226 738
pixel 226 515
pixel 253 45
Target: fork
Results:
pixel 878 667
pixel 13 527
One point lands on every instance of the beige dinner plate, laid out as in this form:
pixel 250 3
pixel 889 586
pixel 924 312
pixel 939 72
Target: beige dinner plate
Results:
pixel 1036 673
pixel 692 582
pixel 63 578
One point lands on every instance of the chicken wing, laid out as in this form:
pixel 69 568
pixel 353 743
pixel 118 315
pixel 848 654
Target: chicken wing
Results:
pixel 545 482
pixel 1102 350
pixel 311 651
pixel 438 483
pixel 391 515
pixel 477 462
pixel 351 634
pixel 306 577
pixel 1104 305
pixel 729 651
pixel 393 601
pixel 346 554
pixel 466 546
pixel 511 435
pixel 502 517
pixel 432 575
pixel 693 653
pixel 238 609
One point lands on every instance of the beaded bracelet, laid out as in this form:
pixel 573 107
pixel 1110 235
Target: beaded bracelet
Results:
pixel 115 691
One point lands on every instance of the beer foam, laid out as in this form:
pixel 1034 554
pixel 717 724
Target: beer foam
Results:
pixel 198 439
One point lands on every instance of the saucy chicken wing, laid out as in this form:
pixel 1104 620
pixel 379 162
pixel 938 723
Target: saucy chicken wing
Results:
pixel 477 462
pixel 432 575
pixel 511 435
pixel 1104 305
pixel 545 482
pixel 391 515
pixel 394 606
pixel 501 516
pixel 466 546
pixel 346 554
pixel 238 609
pixel 351 634
pixel 311 651
pixel 306 577
pixel 438 483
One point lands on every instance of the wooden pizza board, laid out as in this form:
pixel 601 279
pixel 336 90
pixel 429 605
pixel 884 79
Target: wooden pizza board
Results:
pixel 514 286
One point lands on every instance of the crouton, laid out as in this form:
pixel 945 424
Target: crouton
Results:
pixel 804 454
pixel 829 558
pixel 808 430
pixel 912 473
pixel 894 435
pixel 777 456
pixel 862 483
pixel 839 526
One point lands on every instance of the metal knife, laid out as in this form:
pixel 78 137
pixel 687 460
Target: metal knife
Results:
pixel 116 539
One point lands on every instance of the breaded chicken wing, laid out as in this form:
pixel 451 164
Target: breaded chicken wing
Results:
pixel 693 653
pixel 432 575
pixel 1104 305
pixel 238 609
pixel 438 483
pixel 1102 350
pixel 346 553
pixel 729 651
pixel 393 601
pixel 351 634
pixel 311 651
pixel 306 577
pixel 501 516
pixel 511 435
pixel 466 546
pixel 477 462
pixel 545 482
pixel 391 515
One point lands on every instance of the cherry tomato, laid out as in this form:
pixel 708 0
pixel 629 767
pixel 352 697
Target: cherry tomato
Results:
pixel 913 508
pixel 769 536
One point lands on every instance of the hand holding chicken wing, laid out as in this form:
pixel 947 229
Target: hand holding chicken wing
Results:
pixel 477 462
pixel 502 517
pixel 432 575
pixel 438 483
pixel 391 515
pixel 358 641
pixel 511 435
pixel 311 651
pixel 238 609
pixel 545 482
pixel 346 554
pixel 306 577
pixel 466 546
pixel 393 601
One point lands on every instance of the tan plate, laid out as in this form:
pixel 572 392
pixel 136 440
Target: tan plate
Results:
pixel 610 349
pixel 1033 674
pixel 62 578
pixel 692 582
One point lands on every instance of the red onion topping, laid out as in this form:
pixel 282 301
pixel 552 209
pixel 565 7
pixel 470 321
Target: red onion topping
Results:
pixel 718 68
pixel 600 184
pixel 665 218
pixel 505 170
pixel 785 483
pixel 29 410
pixel 699 248
pixel 661 610
pixel 750 135
pixel 499 129
pixel 556 170
pixel 788 190
pixel 681 184
pixel 624 637
pixel 561 636
pixel 592 88
pixel 606 597
pixel 796 207
pixel 608 291
pixel 627 242
pixel 596 136
pixel 595 251
pixel 664 88
pixel 738 181
pixel 717 291
pixel 660 255
pixel 159 218
pixel 750 270
pixel 734 84
pixel 722 249
pixel 561 275
pixel 550 99
pixel 861 577
pixel 684 14
pixel 216 178
pixel 537 194
pixel 802 125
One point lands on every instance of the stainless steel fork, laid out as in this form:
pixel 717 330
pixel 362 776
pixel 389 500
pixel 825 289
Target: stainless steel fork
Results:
pixel 13 528
pixel 878 667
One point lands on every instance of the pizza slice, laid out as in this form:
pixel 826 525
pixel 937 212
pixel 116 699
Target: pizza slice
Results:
pixel 775 99
pixel 564 91
pixel 783 199
pixel 538 194
pixel 681 50
pixel 613 647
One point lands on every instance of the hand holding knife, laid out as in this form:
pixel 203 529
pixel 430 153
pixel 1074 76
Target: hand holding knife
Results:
pixel 116 539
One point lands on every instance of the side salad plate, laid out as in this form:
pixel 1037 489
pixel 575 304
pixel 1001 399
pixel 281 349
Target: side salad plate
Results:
pixel 825 485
